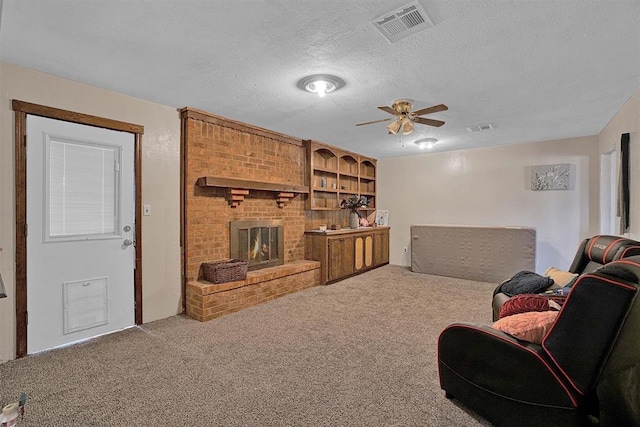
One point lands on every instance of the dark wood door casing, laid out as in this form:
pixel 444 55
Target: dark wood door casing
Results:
pixel 21 110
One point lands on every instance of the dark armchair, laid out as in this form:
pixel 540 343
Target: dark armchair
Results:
pixel 586 370
pixel 592 253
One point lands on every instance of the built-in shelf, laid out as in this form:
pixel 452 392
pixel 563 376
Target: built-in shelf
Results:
pixel 237 189
pixel 335 175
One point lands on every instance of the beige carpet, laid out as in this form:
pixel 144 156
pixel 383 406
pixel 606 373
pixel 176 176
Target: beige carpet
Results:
pixel 361 352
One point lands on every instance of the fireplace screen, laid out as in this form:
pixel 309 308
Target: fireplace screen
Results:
pixel 260 242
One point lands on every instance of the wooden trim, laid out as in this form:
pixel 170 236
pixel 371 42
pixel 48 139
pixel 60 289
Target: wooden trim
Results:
pixel 72 116
pixel 212 181
pixel 192 113
pixel 183 206
pixel 22 109
pixel 137 277
pixel 21 238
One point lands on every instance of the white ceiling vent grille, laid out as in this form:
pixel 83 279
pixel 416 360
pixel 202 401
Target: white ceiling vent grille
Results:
pixel 403 22
pixel 480 128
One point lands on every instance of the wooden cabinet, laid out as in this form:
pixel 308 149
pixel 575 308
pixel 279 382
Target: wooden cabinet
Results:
pixel 335 175
pixel 340 256
pixel 343 253
pixel 363 252
pixel 381 247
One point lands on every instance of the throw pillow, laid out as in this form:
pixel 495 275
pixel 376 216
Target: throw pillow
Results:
pixel 525 282
pixel 524 303
pixel 560 278
pixel 531 326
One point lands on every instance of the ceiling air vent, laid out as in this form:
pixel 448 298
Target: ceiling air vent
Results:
pixel 480 128
pixel 403 22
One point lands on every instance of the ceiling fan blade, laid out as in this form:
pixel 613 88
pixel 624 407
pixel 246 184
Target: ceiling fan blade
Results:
pixel 388 110
pixel 375 121
pixel 433 109
pixel 430 122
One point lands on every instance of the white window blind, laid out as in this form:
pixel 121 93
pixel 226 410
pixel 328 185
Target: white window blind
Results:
pixel 83 189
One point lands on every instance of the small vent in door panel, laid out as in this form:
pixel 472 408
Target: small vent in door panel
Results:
pixel 85 304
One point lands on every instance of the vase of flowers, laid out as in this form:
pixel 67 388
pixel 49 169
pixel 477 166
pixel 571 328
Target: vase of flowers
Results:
pixel 353 203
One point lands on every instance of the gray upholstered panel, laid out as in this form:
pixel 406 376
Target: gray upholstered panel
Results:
pixel 489 254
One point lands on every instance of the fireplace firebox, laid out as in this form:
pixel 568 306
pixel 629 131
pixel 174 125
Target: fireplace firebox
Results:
pixel 260 242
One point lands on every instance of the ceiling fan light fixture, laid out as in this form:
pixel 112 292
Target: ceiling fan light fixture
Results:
pixel 407 126
pixel 320 84
pixel 394 127
pixel 427 143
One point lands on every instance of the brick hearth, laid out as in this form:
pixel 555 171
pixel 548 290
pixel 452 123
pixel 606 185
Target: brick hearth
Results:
pixel 206 300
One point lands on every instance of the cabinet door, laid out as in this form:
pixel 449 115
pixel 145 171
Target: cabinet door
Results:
pixel 385 247
pixel 363 252
pixel 335 258
pixel 341 257
pixel 368 250
pixel 348 250
pixel 358 253
pixel 381 248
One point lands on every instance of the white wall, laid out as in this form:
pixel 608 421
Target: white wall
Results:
pixel 160 184
pixel 627 120
pixel 490 186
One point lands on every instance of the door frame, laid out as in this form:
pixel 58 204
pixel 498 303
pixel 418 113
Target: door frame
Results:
pixel 22 109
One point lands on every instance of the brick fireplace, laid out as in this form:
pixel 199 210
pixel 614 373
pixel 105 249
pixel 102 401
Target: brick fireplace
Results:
pixel 259 242
pixel 232 173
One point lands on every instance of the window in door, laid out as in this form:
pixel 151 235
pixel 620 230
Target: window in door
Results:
pixel 83 190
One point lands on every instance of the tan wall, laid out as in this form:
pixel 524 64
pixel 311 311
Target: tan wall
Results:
pixel 627 120
pixel 160 184
pixel 490 186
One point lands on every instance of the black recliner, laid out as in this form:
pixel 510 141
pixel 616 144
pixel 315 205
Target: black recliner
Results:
pixel 592 253
pixel 586 371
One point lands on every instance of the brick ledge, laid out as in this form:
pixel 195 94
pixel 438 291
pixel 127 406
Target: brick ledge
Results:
pixel 253 277
pixel 206 301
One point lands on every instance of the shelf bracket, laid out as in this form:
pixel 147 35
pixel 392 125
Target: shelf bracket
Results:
pixel 283 198
pixel 235 196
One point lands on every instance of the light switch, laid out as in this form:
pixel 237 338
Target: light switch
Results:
pixel 146 210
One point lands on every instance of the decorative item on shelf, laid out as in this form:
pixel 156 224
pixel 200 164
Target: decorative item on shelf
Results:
pixel 335 226
pixel 382 217
pixel 322 227
pixel 354 203
pixel 323 182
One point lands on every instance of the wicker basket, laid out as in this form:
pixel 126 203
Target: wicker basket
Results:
pixel 224 271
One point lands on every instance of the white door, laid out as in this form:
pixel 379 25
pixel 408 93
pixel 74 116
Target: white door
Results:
pixel 80 218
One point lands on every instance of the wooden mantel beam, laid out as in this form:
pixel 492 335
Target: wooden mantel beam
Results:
pixel 212 181
pixel 237 189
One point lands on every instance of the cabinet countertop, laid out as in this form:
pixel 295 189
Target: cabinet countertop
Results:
pixel 346 230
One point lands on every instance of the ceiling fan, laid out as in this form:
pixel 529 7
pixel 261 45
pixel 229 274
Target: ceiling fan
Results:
pixel 405 118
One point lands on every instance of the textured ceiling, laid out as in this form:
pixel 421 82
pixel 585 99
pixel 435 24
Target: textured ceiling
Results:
pixel 536 70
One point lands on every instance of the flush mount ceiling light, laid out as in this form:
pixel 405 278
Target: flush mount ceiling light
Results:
pixel 426 143
pixel 320 84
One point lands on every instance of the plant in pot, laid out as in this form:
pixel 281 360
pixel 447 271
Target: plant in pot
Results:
pixel 353 203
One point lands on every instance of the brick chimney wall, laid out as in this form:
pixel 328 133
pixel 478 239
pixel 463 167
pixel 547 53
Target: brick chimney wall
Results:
pixel 223 148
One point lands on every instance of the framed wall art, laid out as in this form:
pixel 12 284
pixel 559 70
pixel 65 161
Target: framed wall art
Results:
pixel 382 217
pixel 552 177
